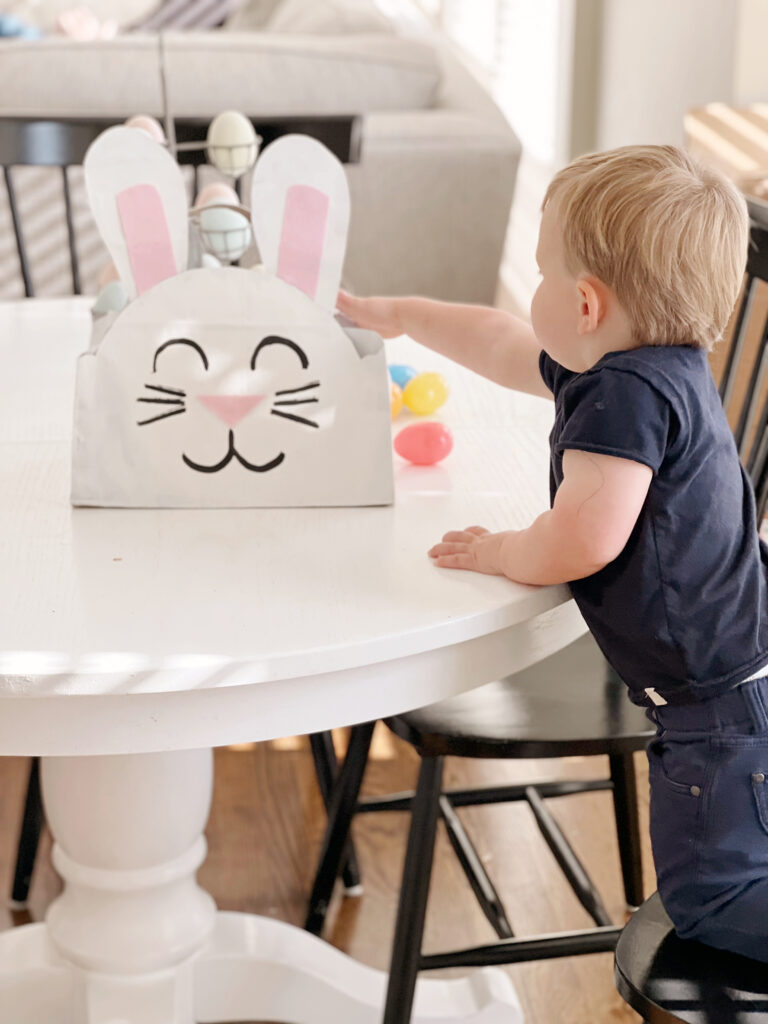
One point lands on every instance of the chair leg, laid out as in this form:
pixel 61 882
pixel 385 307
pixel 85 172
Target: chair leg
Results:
pixel 31 827
pixel 412 904
pixel 326 770
pixel 483 888
pixel 340 811
pixel 627 826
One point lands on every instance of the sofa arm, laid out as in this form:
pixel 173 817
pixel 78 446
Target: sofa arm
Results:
pixel 430 205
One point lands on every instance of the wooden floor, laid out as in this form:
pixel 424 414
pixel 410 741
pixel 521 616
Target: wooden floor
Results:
pixel 265 828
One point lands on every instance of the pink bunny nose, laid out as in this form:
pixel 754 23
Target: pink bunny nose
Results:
pixel 230 408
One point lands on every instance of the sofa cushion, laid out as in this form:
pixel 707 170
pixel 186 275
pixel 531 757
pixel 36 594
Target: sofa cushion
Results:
pixel 62 77
pixel 332 17
pixel 259 73
pixel 271 74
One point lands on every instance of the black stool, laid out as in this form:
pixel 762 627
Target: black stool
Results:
pixel 569 704
pixel 668 980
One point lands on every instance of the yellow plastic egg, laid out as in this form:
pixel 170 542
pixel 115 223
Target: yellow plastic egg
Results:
pixel 395 400
pixel 231 142
pixel 425 393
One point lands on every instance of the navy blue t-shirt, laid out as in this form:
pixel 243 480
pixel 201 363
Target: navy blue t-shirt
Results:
pixel 684 607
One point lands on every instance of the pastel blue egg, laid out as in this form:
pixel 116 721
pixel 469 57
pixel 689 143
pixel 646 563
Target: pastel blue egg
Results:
pixel 224 232
pixel 401 374
pixel 112 298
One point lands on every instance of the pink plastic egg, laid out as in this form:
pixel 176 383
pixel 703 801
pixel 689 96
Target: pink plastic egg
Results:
pixel 148 124
pixel 424 443
pixel 217 191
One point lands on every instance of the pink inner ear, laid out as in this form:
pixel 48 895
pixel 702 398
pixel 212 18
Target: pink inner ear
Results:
pixel 145 229
pixel 301 243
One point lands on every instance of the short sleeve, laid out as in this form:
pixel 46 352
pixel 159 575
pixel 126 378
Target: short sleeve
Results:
pixel 615 412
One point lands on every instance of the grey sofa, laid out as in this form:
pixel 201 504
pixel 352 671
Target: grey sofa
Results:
pixel 430 196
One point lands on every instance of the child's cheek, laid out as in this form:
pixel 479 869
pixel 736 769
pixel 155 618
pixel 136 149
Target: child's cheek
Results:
pixel 536 311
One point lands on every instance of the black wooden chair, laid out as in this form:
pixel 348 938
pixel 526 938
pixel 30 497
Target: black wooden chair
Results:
pixel 669 980
pixel 38 142
pixel 569 704
pixel 62 143
pixel 57 143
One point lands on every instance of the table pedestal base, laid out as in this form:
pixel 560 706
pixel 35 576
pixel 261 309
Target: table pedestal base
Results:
pixel 133 939
pixel 252 969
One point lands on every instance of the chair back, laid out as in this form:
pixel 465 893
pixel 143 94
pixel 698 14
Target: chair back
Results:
pixel 41 160
pixel 740 368
pixel 54 145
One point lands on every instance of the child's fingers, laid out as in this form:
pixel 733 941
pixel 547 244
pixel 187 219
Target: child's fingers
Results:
pixel 477 531
pixel 455 562
pixel 464 536
pixel 447 548
pixel 346 302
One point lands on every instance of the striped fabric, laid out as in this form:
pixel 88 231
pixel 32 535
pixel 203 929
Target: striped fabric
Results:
pixel 188 14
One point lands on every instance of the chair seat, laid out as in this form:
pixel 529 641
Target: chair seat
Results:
pixel 571 703
pixel 667 979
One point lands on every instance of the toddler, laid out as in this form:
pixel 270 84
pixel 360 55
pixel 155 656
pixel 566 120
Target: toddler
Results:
pixel 641 254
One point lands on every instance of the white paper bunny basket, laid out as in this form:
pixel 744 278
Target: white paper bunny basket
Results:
pixel 221 386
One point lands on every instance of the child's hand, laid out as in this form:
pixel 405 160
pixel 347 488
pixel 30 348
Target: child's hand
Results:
pixel 374 314
pixel 474 548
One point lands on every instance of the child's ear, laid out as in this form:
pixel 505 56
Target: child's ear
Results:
pixel 593 298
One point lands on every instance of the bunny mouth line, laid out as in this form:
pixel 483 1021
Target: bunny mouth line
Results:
pixel 233 453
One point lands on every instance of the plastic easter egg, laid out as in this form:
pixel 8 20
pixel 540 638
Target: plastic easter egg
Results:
pixel 148 124
pixel 424 443
pixel 108 274
pixel 425 393
pixel 401 374
pixel 225 233
pixel 112 298
pixel 217 191
pixel 395 400
pixel 231 143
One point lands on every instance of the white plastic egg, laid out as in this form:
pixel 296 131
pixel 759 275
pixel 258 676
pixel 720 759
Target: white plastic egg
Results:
pixel 231 143
pixel 225 233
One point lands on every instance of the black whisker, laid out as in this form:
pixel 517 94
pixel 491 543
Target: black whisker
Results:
pixel 297 401
pixel 292 391
pixel 298 419
pixel 162 401
pixel 168 391
pixel 163 416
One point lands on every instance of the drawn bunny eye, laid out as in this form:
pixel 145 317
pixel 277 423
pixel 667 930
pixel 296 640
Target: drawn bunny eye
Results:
pixel 275 339
pixel 180 341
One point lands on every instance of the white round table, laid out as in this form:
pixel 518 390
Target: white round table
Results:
pixel 133 641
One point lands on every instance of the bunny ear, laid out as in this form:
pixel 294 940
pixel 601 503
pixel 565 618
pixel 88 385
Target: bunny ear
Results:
pixel 139 203
pixel 300 214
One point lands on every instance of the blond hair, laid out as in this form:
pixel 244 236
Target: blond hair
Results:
pixel 667 234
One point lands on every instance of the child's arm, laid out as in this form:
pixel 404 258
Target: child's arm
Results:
pixel 594 513
pixel 493 343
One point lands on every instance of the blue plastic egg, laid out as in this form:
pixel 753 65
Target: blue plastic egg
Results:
pixel 401 374
pixel 225 233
